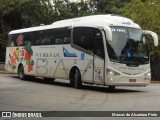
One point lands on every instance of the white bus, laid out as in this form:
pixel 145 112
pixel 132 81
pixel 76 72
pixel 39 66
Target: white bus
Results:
pixel 107 50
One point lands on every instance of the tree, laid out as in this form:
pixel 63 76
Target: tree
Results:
pixel 107 6
pixel 17 14
pixel 65 9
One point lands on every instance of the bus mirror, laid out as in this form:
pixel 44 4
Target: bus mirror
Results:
pixel 108 33
pixel 154 36
pixel 144 39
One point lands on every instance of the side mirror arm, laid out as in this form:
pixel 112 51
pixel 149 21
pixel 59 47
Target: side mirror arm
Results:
pixel 154 36
pixel 108 33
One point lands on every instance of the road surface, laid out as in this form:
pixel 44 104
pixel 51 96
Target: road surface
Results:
pixel 38 95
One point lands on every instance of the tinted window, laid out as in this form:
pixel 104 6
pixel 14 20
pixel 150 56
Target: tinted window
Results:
pixel 9 40
pixel 53 36
pixel 15 40
pixel 90 39
pixel 29 38
pixel 83 37
pixel 20 39
pixel 98 43
pixel 42 37
pixel 61 36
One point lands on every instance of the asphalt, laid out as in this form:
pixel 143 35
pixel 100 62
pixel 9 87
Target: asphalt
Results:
pixel 39 95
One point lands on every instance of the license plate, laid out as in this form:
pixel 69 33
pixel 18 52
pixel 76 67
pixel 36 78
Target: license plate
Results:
pixel 132 80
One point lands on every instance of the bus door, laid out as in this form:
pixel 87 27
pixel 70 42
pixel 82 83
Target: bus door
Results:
pixel 90 40
pixel 98 62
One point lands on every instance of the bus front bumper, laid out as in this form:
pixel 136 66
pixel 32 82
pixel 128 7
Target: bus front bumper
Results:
pixel 126 81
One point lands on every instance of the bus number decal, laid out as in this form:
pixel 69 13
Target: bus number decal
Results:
pixel 82 56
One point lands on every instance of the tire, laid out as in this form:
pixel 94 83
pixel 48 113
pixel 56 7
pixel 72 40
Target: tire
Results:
pixel 112 87
pixel 72 83
pixel 21 74
pixel 71 78
pixel 77 79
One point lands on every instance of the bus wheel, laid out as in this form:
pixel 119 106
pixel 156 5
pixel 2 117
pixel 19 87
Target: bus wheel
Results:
pixel 77 79
pixel 21 74
pixel 112 87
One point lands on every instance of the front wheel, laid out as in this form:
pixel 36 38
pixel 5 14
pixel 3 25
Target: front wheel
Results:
pixel 21 74
pixel 77 79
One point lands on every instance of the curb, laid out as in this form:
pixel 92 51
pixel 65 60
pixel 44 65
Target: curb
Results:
pixel 5 72
pixel 155 82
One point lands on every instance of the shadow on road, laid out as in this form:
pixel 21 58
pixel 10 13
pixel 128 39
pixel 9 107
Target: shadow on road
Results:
pixel 84 87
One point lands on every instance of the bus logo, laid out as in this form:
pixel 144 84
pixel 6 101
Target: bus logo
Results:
pixel 82 56
pixel 68 54
pixel 126 23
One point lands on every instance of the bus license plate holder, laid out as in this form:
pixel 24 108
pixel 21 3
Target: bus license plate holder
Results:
pixel 132 80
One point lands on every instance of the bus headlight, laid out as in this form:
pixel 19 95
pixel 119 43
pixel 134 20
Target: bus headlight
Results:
pixel 147 76
pixel 112 72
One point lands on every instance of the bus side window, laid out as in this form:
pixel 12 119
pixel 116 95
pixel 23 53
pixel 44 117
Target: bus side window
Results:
pixel 52 41
pixel 59 41
pixel 20 40
pixel 98 43
pixel 46 40
pixel 67 40
pixel 10 41
pixel 62 36
pixel 14 40
pixel 83 37
pixel 29 38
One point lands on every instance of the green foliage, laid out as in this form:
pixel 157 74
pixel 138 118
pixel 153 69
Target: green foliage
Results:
pixel 24 13
pixel 65 9
pixel 17 14
pixel 107 6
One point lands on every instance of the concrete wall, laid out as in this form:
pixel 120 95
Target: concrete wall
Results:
pixel 2 66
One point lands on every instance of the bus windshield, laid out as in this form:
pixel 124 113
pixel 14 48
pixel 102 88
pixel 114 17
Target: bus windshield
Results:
pixel 128 46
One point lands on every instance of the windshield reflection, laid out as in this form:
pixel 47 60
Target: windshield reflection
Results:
pixel 128 46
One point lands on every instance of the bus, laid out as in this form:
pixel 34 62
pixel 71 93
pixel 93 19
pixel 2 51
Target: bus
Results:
pixel 107 50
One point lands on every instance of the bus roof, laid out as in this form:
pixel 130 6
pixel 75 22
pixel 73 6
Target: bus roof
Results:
pixel 88 21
